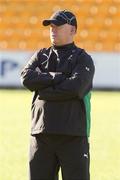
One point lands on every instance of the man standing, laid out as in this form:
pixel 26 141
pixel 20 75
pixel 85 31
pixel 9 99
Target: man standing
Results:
pixel 61 77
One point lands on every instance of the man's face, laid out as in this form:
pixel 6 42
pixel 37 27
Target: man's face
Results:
pixel 60 35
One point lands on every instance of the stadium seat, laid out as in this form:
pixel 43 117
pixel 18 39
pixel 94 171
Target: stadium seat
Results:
pixel 21 23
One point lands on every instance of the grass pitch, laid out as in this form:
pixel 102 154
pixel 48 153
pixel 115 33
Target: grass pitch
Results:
pixel 15 128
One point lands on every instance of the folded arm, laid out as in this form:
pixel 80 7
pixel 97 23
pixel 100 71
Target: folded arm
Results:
pixel 76 86
pixel 34 79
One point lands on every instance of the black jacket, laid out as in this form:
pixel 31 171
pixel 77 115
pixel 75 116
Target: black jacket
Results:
pixel 58 105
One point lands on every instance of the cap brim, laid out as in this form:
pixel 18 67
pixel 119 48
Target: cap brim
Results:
pixel 47 22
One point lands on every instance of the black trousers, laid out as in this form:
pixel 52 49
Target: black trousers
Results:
pixel 49 152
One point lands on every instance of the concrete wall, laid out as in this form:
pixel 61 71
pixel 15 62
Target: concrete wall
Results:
pixel 107 74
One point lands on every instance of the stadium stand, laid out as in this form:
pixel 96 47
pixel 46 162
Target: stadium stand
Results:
pixel 21 28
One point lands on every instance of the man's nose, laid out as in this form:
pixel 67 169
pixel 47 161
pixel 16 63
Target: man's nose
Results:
pixel 54 30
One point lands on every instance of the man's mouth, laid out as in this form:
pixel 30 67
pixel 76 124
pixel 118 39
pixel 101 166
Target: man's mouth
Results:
pixel 53 35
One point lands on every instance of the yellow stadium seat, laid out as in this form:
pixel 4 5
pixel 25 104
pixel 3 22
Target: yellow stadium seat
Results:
pixel 98 23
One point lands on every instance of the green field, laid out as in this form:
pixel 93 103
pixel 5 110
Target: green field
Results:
pixel 15 127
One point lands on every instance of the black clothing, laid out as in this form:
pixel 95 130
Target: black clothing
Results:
pixel 58 106
pixel 61 77
pixel 49 151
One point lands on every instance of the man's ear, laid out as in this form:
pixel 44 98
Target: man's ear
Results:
pixel 73 30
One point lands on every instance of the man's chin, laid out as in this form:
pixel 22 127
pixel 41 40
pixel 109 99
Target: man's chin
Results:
pixel 55 43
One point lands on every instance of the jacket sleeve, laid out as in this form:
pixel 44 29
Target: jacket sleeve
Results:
pixel 34 79
pixel 76 86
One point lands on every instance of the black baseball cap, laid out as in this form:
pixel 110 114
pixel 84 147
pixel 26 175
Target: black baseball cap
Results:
pixel 61 17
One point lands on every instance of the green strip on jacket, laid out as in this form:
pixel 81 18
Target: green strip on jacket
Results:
pixel 87 102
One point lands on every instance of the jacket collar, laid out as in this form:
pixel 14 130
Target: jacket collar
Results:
pixel 64 47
